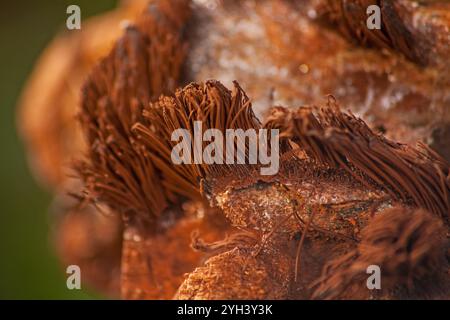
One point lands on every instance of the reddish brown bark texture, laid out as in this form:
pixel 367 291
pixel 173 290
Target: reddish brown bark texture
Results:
pixel 347 194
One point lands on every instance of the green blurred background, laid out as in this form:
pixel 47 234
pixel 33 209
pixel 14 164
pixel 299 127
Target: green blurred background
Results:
pixel 29 268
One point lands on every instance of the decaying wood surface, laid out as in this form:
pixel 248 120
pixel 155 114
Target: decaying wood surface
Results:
pixel 358 183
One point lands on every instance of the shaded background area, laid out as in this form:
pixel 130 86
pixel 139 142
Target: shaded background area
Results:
pixel 29 268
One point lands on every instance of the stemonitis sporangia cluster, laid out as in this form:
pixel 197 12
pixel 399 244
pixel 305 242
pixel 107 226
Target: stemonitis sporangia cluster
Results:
pixel 345 196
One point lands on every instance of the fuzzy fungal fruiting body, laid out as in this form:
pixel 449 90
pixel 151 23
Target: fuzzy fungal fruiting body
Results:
pixel 349 192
